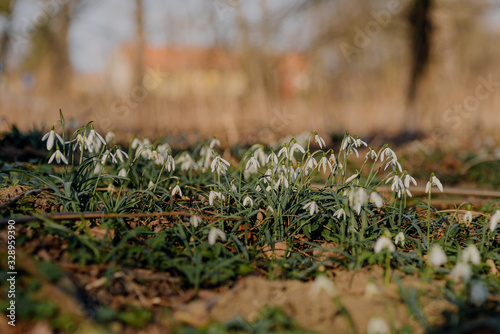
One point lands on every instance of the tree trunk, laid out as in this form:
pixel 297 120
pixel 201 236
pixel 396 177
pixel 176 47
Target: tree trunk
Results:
pixel 139 47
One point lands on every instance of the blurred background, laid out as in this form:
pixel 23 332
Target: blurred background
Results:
pixel 254 70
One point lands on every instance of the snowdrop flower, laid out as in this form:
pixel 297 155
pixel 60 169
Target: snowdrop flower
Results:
pixel 397 185
pixel 186 161
pixel 377 199
pixel 324 162
pixel 136 143
pixel 400 239
pixel 313 207
pixel 58 156
pixel 494 220
pixel 377 325
pixel 157 157
pixel 310 165
pixel 478 293
pixel 467 219
pixel 233 187
pixel 272 158
pixel 98 168
pixel 151 185
pixel 387 153
pixel 348 139
pixel 80 141
pixel 384 243
pixel 283 151
pixel 371 290
pixel 120 154
pixel 319 140
pixel 357 199
pixel 170 163
pixel 195 220
pixel 433 182
pixel 94 139
pixel 51 136
pixel 214 142
pixel 408 179
pixel 437 256
pixel 338 213
pixel 110 136
pixel 247 201
pixel 122 172
pixel 355 176
pixel 111 188
pixel 261 155
pixel 212 195
pixel 252 165
pixel 471 254
pixel 358 142
pixel 296 147
pixel 214 234
pixel 177 190
pixel 323 284
pixel 219 165
pixel 371 154
pixel 461 271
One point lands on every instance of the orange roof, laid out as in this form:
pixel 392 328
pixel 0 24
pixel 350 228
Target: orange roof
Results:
pixel 189 57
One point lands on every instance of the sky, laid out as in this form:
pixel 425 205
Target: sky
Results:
pixel 102 26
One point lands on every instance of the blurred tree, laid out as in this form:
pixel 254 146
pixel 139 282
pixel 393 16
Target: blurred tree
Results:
pixel 6 10
pixel 49 53
pixel 139 43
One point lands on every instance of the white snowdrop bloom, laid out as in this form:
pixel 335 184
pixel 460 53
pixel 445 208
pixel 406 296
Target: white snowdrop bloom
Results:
pixel 384 242
pixel 296 147
pixel 248 201
pixel 185 161
pixel 51 136
pixel 95 136
pixel 311 163
pixel 352 177
pixel 151 185
pixel 400 239
pixel 433 182
pixel 214 142
pixel 323 163
pixel 478 293
pixel 283 151
pixel 219 165
pixel 214 234
pixel 195 220
pixel 164 149
pixel 252 164
pixel 258 188
pixel 397 184
pixel 58 156
pixel 437 256
pixel 319 140
pixel 281 180
pixel 98 168
pixel 170 163
pixel 294 173
pixel 461 271
pixel 122 172
pixel 371 154
pixel 377 325
pixel 120 154
pixel 377 199
pixel 272 158
pixel 233 187
pixel 340 212
pixel 323 283
pixel 357 199
pixel 494 220
pixel 371 290
pixel 105 156
pixel 408 179
pixel 111 188
pixel 348 139
pixel 81 143
pixel 467 219
pixel 313 207
pixel 177 190
pixel 136 143
pixel 110 136
pixel 388 153
pixel 358 142
pixel 471 254
pixel 213 195
pixel 261 155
